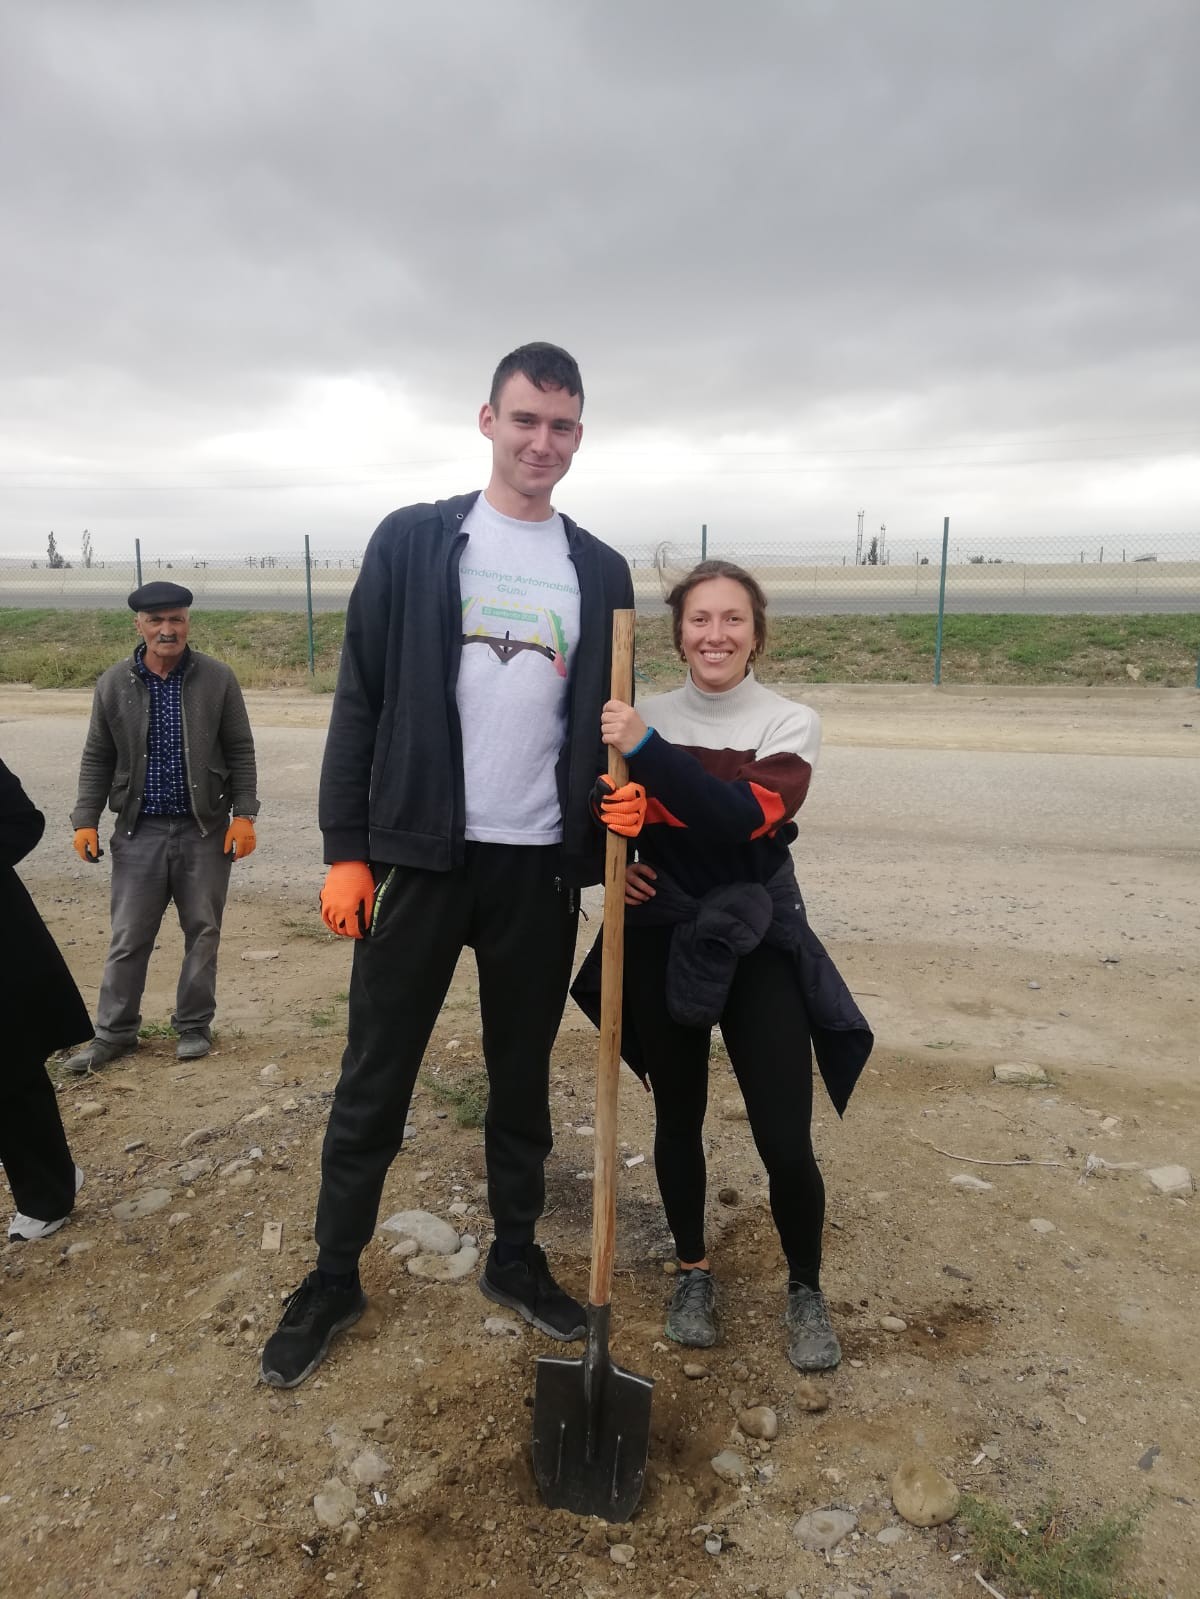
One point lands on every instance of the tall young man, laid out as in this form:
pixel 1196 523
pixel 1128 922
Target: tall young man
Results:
pixel 463 745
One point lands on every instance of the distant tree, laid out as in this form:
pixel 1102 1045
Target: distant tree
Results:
pixel 54 558
pixel 975 560
pixel 871 558
pixel 87 548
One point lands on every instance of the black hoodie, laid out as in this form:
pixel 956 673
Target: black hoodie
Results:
pixel 392 786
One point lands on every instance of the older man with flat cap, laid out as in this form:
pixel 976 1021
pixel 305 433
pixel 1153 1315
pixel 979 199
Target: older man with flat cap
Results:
pixel 170 749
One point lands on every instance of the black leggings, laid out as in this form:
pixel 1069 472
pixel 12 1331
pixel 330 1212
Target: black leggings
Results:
pixel 765 1029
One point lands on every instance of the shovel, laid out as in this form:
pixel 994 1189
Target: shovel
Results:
pixel 591 1420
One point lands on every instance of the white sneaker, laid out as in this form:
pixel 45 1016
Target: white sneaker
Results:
pixel 29 1229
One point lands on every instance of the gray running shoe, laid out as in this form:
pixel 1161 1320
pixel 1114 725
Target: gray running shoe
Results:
pixel 812 1343
pixel 691 1318
pixel 94 1055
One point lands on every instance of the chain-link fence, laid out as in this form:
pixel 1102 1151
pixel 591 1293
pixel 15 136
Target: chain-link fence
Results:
pixel 869 575
pixel 878 576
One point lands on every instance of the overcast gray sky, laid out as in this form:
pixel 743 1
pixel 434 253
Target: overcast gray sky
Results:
pixel 260 258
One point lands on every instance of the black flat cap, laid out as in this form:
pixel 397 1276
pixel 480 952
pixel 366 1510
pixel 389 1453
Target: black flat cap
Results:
pixel 159 597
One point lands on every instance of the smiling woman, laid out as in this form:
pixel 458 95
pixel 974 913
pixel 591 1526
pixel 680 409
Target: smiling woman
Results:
pixel 716 933
pixel 720 623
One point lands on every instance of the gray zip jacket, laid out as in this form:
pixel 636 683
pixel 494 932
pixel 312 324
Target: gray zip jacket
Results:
pixel 218 747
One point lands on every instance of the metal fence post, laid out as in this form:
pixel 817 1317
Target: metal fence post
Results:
pixel 704 541
pixel 937 653
pixel 137 560
pixel 312 657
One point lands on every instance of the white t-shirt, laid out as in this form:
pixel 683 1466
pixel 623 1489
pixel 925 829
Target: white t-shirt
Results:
pixel 520 609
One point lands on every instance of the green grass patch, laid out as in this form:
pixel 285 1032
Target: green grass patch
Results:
pixel 269 649
pixel 1081 651
pixel 157 1030
pixel 266 649
pixel 312 928
pixel 466 1096
pixel 1054 1554
pixel 325 1015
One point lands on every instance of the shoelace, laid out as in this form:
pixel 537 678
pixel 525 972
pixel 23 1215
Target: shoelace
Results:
pixel 694 1291
pixel 539 1268
pixel 291 1310
pixel 810 1311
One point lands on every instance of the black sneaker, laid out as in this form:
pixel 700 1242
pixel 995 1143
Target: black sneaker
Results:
pixel 312 1317
pixel 812 1343
pixel 527 1287
pixel 691 1317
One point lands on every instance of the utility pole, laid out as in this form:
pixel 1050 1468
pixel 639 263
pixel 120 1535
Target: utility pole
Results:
pixel 858 547
pixel 882 539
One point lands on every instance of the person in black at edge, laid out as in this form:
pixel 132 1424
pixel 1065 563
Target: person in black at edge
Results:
pixel 454 804
pixel 716 933
pixel 44 1012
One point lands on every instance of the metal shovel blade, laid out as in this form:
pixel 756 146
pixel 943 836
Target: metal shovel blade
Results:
pixel 591 1429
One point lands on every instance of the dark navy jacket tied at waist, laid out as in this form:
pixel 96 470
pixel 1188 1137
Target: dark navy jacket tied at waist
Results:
pixel 710 935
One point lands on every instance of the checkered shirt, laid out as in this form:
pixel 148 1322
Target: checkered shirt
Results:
pixel 166 778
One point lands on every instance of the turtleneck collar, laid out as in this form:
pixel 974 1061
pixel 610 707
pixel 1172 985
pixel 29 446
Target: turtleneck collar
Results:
pixel 715 707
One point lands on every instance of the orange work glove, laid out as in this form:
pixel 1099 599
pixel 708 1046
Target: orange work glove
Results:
pixel 240 838
pixel 87 844
pixel 621 810
pixel 348 899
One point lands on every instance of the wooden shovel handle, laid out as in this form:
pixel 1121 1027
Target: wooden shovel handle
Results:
pixel 604 1188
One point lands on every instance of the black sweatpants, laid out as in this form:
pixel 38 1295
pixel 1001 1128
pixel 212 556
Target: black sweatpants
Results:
pixel 765 1029
pixel 509 904
pixel 33 1144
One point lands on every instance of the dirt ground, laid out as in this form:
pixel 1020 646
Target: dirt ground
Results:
pixel 1002 877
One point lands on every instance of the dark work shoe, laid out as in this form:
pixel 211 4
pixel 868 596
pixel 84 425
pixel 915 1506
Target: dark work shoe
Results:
pixel 311 1320
pixel 812 1343
pixel 691 1317
pixel 94 1055
pixel 192 1045
pixel 527 1287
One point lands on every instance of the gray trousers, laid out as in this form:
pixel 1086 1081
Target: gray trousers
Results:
pixel 168 858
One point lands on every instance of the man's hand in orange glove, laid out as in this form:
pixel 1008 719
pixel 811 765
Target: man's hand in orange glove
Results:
pixel 240 838
pixel 621 810
pixel 348 899
pixel 87 844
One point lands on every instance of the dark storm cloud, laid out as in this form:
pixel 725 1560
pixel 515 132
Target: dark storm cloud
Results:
pixel 974 218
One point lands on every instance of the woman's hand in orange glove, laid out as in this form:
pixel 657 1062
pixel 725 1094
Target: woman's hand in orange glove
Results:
pixel 348 899
pixel 87 844
pixel 621 810
pixel 240 838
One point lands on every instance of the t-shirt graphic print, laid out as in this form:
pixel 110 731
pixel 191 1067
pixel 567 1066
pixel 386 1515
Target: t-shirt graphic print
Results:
pixel 541 631
pixel 520 620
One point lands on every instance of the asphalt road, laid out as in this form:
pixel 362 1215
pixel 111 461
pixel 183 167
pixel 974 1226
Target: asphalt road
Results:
pixel 914 789
pixel 782 604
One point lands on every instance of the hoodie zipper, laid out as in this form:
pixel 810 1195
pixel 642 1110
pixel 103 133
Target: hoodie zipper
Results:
pixel 453 591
